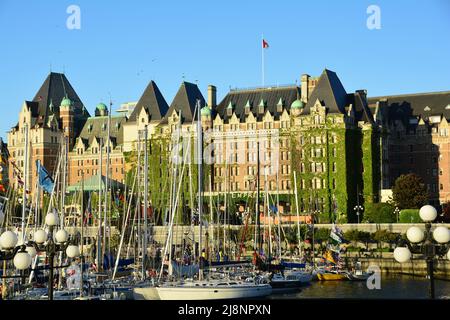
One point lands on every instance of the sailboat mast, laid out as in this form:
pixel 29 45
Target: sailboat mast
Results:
pixel 144 249
pixel 278 217
pixel 298 214
pixel 107 187
pixel 258 222
pixel 99 242
pixel 211 215
pixel 200 177
pixel 25 184
pixel 82 232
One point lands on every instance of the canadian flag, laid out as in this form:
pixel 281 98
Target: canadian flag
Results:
pixel 265 44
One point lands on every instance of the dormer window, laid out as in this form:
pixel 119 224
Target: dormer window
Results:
pixel 90 128
pixel 247 107
pixel 261 106
pixel 117 126
pixel 427 108
pixel 104 126
pixel 230 109
pixel 280 105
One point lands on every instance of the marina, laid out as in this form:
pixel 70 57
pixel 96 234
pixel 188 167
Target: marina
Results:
pixel 163 172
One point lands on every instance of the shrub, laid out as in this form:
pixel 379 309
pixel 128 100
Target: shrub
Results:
pixel 379 213
pixel 410 216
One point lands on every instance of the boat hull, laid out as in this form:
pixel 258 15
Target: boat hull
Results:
pixel 331 277
pixel 145 293
pixel 213 293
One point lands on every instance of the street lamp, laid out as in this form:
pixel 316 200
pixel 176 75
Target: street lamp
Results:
pixel 44 242
pixel 9 250
pixel 397 213
pixel 358 208
pixel 429 243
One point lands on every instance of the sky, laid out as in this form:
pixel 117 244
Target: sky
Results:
pixel 122 45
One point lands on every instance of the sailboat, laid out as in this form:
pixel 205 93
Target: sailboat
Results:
pixel 209 289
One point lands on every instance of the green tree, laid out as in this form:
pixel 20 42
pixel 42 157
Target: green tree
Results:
pixel 409 192
pixel 385 236
pixel 366 238
pixel 379 213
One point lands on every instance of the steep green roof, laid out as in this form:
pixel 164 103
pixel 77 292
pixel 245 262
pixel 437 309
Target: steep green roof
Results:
pixel 297 104
pixel 205 111
pixel 66 102
pixel 102 106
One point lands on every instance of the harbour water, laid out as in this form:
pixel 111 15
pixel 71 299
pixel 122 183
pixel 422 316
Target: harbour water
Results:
pixel 392 287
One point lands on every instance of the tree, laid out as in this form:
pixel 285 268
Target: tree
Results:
pixel 380 213
pixel 409 192
pixel 385 236
pixel 366 238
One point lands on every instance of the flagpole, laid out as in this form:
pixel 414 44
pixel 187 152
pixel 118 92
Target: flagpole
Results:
pixel 262 62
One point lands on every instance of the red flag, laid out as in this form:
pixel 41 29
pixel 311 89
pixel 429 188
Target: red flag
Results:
pixel 265 44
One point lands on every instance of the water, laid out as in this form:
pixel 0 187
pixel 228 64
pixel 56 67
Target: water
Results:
pixel 392 287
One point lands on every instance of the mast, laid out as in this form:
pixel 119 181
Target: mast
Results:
pixel 144 249
pixel 82 232
pixel 200 181
pixel 278 217
pixel 225 207
pixel 211 215
pixel 258 222
pixel 99 237
pixel 298 214
pixel 25 184
pixel 108 153
pixel 139 205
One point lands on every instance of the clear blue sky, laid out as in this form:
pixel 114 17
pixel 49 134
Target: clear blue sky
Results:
pixel 123 44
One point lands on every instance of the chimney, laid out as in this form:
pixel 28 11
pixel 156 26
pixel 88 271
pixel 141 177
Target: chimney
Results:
pixel 304 87
pixel 211 96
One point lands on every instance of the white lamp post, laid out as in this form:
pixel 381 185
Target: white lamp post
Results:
pixel 8 240
pixel 22 260
pixel 430 244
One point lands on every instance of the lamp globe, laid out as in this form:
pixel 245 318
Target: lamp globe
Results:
pixel 61 236
pixel 415 234
pixel 72 251
pixel 40 236
pixel 428 213
pixel 51 219
pixel 22 260
pixel 441 234
pixel 402 254
pixel 31 251
pixel 8 240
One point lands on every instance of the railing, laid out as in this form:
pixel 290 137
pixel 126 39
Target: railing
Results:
pixel 263 87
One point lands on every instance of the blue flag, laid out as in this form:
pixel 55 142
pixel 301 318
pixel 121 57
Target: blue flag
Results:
pixel 45 180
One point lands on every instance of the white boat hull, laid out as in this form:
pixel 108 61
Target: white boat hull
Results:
pixel 213 292
pixel 145 293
